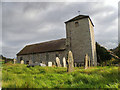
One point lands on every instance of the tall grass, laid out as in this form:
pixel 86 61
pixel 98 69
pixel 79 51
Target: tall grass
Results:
pixel 19 76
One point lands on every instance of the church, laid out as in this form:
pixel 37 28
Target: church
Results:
pixel 79 39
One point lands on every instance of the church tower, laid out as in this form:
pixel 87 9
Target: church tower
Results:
pixel 80 38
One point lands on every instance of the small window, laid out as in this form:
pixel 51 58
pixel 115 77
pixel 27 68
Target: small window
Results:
pixel 76 24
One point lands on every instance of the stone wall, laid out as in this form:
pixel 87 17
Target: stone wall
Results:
pixel 43 57
pixel 93 45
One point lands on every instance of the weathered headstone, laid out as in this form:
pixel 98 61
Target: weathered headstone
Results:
pixel 70 67
pixel 30 62
pixel 49 64
pixel 14 61
pixel 64 62
pixel 58 62
pixel 86 61
pixel 75 64
pixel 22 61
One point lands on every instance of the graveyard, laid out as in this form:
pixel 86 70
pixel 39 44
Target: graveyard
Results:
pixel 19 76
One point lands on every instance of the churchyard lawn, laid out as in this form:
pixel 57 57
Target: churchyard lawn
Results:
pixel 20 76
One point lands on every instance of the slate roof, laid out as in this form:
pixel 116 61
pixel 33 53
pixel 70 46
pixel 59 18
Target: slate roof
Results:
pixel 80 17
pixel 54 45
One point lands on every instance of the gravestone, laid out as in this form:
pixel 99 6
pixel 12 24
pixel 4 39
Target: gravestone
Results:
pixel 22 62
pixel 75 64
pixel 30 62
pixel 14 61
pixel 49 64
pixel 86 61
pixel 58 62
pixel 64 62
pixel 70 67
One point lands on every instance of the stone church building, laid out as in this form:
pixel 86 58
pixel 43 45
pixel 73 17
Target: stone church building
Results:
pixel 80 40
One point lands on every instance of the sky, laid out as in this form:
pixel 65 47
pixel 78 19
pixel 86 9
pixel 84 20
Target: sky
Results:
pixel 25 23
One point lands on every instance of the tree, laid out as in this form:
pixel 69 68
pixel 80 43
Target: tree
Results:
pixel 102 53
pixel 116 50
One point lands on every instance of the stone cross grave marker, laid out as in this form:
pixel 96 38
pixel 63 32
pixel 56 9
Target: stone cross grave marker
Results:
pixel 70 67
pixel 86 61
pixel 49 64
pixel 64 62
pixel 58 61
pixel 22 61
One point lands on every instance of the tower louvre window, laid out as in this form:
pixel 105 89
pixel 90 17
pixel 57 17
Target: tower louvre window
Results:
pixel 76 24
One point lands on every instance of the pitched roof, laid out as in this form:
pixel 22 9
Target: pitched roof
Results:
pixel 55 45
pixel 79 17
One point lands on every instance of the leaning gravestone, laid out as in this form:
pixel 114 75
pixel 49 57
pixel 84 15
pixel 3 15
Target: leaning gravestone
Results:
pixel 86 61
pixel 14 61
pixel 58 62
pixel 70 67
pixel 64 62
pixel 49 64
pixel 22 62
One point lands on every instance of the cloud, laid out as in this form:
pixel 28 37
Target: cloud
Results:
pixel 30 22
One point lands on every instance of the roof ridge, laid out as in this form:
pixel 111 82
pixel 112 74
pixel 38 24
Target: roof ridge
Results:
pixel 46 42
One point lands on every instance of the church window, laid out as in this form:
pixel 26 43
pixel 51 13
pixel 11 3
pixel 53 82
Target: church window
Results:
pixel 76 24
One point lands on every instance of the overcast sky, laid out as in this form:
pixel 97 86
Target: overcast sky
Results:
pixel 26 23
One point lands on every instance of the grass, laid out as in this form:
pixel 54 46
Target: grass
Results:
pixel 19 76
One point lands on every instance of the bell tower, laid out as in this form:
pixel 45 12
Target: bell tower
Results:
pixel 80 38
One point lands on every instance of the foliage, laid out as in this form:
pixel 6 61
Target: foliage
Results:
pixel 102 54
pixel 19 76
pixel 117 50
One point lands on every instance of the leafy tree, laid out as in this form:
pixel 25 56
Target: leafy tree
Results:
pixel 102 53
